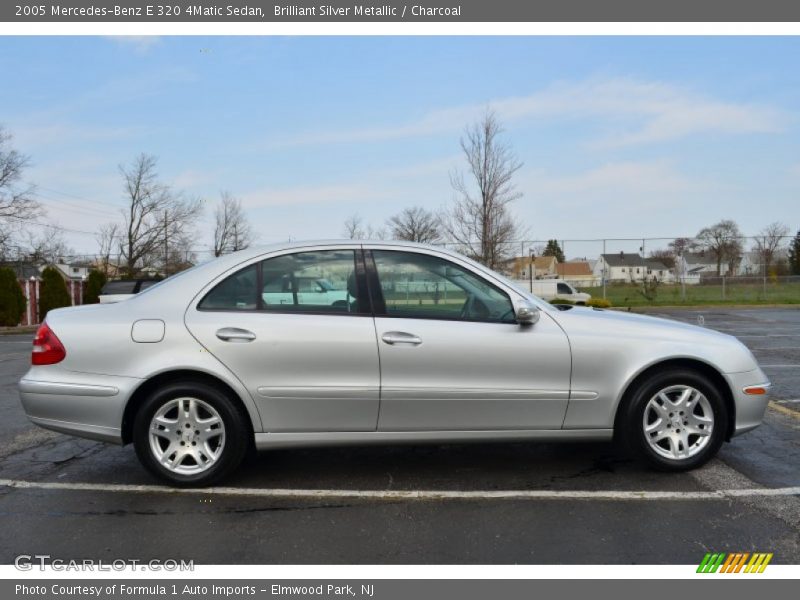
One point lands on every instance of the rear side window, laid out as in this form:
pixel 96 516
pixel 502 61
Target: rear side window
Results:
pixel 312 282
pixel 306 282
pixel 237 292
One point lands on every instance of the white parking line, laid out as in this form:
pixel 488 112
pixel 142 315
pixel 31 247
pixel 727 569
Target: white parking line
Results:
pixel 408 494
pixel 780 366
pixel 768 335
pixel 778 348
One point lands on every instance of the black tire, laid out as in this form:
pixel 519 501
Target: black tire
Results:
pixel 632 421
pixel 237 432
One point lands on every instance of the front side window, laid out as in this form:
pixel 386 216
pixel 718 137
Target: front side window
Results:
pixel 428 287
pixel 312 282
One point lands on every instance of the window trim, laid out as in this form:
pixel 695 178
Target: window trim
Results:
pixel 379 302
pixel 361 283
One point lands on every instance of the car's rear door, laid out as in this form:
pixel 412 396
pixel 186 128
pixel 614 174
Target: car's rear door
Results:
pixel 310 366
pixel 452 356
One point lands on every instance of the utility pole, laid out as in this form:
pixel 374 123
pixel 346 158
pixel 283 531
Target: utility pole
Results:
pixel 235 237
pixel 604 269
pixel 166 244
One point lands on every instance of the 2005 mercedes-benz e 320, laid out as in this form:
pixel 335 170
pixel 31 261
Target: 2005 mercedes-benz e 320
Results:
pixel 403 343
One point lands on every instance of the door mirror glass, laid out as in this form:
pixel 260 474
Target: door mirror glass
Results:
pixel 527 314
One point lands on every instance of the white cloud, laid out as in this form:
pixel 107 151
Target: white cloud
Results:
pixel 308 195
pixel 637 111
pixel 140 43
pixel 656 177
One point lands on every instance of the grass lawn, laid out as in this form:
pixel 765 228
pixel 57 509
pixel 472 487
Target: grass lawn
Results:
pixel 670 294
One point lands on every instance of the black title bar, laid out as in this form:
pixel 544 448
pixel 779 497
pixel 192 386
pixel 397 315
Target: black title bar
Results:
pixel 465 11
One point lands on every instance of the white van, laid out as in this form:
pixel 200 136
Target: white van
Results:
pixel 550 289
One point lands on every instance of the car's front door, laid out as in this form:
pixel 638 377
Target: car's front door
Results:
pixel 452 356
pixel 309 360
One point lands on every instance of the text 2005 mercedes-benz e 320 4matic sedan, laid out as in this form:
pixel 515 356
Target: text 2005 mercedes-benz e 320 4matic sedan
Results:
pixel 357 342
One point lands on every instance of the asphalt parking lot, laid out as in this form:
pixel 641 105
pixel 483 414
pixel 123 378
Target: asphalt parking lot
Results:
pixel 484 503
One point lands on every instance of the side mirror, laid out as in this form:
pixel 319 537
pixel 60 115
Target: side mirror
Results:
pixel 527 314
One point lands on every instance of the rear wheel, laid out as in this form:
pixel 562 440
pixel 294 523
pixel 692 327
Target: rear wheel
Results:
pixel 190 434
pixel 676 420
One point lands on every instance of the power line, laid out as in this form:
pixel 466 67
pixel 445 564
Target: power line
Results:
pixel 55 227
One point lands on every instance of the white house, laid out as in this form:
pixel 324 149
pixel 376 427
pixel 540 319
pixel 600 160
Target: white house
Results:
pixel 621 267
pixel 74 271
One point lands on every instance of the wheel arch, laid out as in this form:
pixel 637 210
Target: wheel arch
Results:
pixel 165 377
pixel 680 363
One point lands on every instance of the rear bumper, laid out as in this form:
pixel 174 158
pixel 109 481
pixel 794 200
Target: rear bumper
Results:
pixel 72 405
pixel 749 408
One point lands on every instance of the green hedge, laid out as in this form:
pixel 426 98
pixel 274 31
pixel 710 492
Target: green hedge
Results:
pixel 599 303
pixel 94 285
pixel 12 300
pixel 52 292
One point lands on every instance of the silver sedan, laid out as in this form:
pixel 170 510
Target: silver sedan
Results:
pixel 358 342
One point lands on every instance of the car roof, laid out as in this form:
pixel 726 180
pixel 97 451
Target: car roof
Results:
pixel 196 278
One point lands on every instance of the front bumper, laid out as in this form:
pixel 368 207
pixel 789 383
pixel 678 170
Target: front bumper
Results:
pixel 749 408
pixel 81 404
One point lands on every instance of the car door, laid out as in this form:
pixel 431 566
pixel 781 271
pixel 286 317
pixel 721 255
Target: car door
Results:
pixel 452 356
pixel 310 364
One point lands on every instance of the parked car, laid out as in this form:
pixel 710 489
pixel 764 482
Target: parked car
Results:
pixel 196 370
pixel 122 289
pixel 552 289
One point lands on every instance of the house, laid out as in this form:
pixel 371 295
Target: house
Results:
pixel 544 267
pixel 659 271
pixel 700 264
pixel 621 267
pixel 578 273
pixel 72 271
pixel 112 269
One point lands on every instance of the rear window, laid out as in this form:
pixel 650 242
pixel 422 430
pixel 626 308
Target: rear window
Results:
pixel 119 287
pixel 146 284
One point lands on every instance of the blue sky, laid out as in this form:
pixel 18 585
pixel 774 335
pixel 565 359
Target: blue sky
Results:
pixel 620 137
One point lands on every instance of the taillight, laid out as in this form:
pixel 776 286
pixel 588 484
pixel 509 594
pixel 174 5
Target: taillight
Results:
pixel 47 348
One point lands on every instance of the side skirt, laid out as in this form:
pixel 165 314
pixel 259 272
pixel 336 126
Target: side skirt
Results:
pixel 342 438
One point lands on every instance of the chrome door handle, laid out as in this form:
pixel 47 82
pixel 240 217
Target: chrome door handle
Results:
pixel 234 334
pixel 401 337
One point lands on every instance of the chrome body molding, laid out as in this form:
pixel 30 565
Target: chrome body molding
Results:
pixel 265 441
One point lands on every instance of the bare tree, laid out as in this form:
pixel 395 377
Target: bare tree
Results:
pixel 108 240
pixel 682 245
pixel 768 241
pixel 17 204
pixel 354 227
pixel 156 218
pixel 724 240
pixel 416 224
pixel 232 230
pixel 480 219
pixel 47 248
pixel 665 257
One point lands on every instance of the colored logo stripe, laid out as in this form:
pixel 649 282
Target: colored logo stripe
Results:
pixel 734 562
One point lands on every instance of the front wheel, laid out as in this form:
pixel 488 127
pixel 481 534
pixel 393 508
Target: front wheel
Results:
pixel 676 421
pixel 190 434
